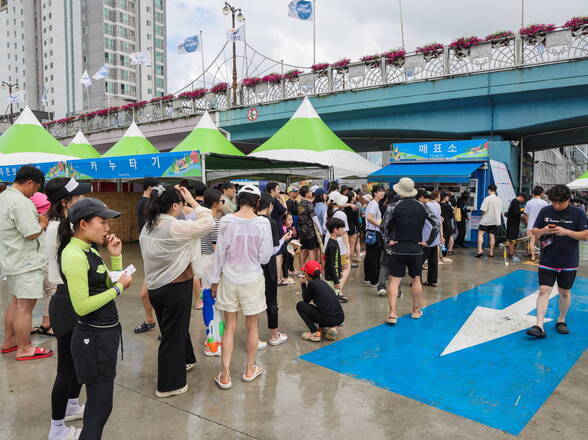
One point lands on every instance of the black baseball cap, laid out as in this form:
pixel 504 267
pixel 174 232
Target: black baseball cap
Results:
pixel 59 188
pixel 90 207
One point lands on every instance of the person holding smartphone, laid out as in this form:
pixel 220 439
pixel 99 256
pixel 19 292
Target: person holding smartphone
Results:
pixel 559 228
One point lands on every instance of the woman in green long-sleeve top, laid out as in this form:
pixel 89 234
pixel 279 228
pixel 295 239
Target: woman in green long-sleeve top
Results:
pixel 97 333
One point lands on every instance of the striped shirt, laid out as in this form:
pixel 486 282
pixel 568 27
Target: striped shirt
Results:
pixel 208 241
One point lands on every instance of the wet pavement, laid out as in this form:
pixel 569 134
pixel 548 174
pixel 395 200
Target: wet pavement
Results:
pixel 341 391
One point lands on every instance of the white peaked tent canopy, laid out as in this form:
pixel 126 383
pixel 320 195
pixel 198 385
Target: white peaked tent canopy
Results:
pixel 306 138
pixel 26 141
pixel 580 183
pixel 133 142
pixel 80 147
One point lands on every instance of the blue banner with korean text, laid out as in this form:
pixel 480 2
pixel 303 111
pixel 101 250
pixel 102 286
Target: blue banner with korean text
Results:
pixel 180 164
pixel 446 150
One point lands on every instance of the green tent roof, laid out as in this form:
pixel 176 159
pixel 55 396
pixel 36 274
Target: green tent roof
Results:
pixel 133 142
pixel 304 131
pixel 27 135
pixel 206 138
pixel 80 147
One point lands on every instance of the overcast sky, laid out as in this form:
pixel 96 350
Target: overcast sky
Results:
pixel 346 28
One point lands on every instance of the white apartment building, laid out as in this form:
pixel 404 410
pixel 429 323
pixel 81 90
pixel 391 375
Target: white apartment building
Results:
pixel 47 45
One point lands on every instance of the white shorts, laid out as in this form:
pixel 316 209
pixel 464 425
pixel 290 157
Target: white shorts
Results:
pixel 27 285
pixel 247 298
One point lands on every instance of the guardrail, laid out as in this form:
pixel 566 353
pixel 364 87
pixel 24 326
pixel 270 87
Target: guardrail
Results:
pixel 509 53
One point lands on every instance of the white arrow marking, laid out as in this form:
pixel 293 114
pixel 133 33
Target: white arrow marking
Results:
pixel 486 324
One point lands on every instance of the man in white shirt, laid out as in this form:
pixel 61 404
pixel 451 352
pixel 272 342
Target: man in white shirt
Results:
pixel 532 208
pixel 491 219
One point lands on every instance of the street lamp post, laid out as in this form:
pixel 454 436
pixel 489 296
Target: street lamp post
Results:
pixel 10 86
pixel 238 15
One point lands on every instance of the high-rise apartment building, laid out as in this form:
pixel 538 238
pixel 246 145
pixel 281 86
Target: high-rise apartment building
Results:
pixel 47 45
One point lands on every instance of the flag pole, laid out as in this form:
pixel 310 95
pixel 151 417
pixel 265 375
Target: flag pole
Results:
pixel 314 34
pixel 401 24
pixel 202 53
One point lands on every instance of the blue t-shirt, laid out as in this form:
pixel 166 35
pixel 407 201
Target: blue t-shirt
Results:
pixel 563 252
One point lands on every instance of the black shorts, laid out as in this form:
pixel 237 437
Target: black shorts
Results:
pixel 565 277
pixel 397 264
pixel 309 243
pixel 94 352
pixel 490 229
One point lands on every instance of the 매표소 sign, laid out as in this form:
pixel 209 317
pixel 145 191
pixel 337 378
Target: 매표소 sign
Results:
pixel 450 150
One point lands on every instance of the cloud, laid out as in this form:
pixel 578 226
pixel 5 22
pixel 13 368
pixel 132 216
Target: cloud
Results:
pixel 345 28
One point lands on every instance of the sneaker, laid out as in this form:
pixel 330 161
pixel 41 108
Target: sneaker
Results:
pixel 208 352
pixel 314 337
pixel 71 433
pixel 261 345
pixel 331 334
pixel 190 366
pixel 366 282
pixel 74 412
pixel 164 394
pixel 381 292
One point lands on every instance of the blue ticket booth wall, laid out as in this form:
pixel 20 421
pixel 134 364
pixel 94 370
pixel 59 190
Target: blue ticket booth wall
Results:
pixel 451 165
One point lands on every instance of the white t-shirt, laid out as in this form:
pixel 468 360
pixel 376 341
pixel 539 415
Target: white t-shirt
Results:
pixel 492 207
pixel 532 209
pixel 51 246
pixel 341 240
pixel 372 208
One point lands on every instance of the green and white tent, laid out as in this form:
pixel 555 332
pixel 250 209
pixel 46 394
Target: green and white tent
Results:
pixel 26 141
pixel 133 142
pixel 206 138
pixel 581 183
pixel 81 148
pixel 306 138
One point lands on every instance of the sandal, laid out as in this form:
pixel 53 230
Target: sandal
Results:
pixel 43 331
pixel 562 328
pixel 39 353
pixel 222 386
pixel 536 332
pixel 257 371
pixel 282 337
pixel 144 327
pixel 9 349
pixel 478 255
pixel 392 320
pixel 417 315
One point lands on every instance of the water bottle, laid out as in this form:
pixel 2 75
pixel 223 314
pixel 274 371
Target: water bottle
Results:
pixel 443 249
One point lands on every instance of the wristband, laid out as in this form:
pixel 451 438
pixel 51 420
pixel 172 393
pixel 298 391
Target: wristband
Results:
pixel 117 290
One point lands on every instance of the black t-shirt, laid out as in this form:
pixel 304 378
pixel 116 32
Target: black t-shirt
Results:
pixel 141 205
pixel 270 269
pixel 292 206
pixel 278 211
pixel 332 261
pixel 406 227
pixel 324 298
pixel 563 252
pixel 513 215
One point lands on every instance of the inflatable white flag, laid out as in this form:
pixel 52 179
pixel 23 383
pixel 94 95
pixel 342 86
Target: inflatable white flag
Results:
pixel 301 10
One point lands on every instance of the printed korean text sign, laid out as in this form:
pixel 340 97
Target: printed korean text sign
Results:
pixel 449 150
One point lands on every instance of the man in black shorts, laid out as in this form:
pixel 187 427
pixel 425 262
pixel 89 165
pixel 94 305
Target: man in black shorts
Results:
pixel 402 227
pixel 558 227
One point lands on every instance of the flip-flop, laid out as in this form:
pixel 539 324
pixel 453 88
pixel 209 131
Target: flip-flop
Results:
pixel 257 371
pixel 39 353
pixel 9 349
pixel 392 320
pixel 417 315
pixel 222 386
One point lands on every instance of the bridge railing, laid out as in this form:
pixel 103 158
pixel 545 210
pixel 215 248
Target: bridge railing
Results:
pixel 509 53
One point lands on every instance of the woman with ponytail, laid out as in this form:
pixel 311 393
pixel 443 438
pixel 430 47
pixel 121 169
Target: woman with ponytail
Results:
pixel 168 246
pixel 97 332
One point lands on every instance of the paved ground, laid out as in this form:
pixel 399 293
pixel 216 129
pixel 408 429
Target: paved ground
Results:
pixel 295 399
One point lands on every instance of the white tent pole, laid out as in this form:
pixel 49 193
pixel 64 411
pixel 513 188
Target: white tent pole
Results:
pixel 203 166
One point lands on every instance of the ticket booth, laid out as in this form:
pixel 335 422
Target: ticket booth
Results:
pixel 455 166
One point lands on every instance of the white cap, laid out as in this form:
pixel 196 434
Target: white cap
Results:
pixel 313 188
pixel 251 189
pixel 337 198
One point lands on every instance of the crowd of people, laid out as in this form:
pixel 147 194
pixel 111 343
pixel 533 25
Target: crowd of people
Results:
pixel 232 249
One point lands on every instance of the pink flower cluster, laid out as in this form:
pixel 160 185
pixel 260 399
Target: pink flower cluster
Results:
pixel 535 29
pixel 162 98
pixel 193 94
pixel 576 22
pixel 131 105
pixel 499 35
pixel 272 78
pixel 465 42
pixel 291 74
pixel 393 55
pixel 341 63
pixel 319 67
pixel 430 49
pixel 220 87
pixel 368 58
pixel 250 82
